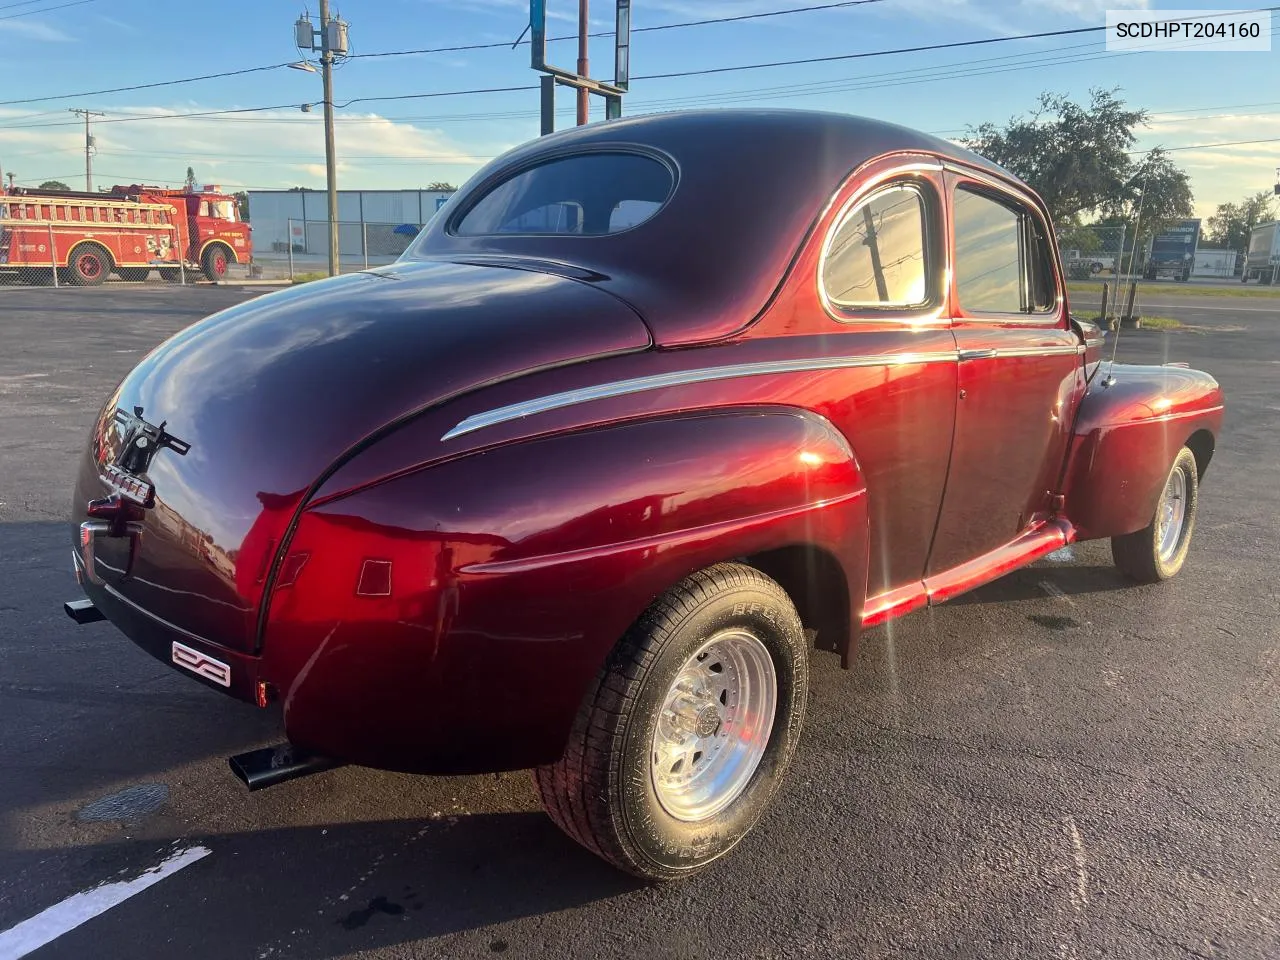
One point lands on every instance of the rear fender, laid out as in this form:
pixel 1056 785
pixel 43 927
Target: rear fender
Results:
pixel 1131 425
pixel 451 619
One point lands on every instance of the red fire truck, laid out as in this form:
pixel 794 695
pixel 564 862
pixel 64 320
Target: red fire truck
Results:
pixel 128 231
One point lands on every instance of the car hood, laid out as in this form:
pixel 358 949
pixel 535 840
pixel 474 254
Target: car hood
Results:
pixel 273 393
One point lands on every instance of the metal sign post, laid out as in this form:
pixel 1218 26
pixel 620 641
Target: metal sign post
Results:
pixel 553 75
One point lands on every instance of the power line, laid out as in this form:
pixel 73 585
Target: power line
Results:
pixel 931 74
pixel 609 33
pixel 1206 146
pixel 61 6
pixel 141 86
pixel 450 49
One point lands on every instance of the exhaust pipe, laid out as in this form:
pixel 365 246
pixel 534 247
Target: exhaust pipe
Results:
pixel 83 611
pixel 263 768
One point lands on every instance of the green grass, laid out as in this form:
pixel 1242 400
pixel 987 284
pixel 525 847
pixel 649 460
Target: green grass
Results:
pixel 1161 323
pixel 1148 288
pixel 1148 323
pixel 307 277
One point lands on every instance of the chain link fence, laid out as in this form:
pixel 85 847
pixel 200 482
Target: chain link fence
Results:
pixel 304 255
pixel 44 254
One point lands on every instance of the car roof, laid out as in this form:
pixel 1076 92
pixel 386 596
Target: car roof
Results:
pixel 751 183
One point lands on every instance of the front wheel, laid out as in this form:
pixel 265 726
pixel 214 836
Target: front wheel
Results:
pixel 686 732
pixel 215 263
pixel 1158 551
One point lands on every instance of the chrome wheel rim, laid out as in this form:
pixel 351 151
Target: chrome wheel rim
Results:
pixel 714 726
pixel 1173 515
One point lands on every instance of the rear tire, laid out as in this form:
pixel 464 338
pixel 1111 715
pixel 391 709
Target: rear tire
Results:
pixel 1158 551
pixel 87 266
pixel 722 650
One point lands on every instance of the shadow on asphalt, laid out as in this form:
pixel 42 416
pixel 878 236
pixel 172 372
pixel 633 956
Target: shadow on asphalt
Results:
pixel 333 890
pixel 1025 584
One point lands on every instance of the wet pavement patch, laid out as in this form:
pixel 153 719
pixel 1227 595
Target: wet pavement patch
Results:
pixel 358 918
pixel 131 803
pixel 1053 622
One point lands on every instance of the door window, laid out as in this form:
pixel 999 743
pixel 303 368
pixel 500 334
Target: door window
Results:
pixel 876 256
pixel 1002 256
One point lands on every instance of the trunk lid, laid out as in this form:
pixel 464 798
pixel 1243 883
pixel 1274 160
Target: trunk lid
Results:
pixel 267 395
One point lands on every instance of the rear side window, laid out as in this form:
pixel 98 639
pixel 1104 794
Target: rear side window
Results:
pixel 1002 256
pixel 876 257
pixel 588 195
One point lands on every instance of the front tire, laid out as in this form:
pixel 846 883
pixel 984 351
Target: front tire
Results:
pixel 687 730
pixel 1158 551
pixel 215 263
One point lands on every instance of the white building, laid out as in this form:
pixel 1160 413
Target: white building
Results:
pixel 366 219
pixel 1215 263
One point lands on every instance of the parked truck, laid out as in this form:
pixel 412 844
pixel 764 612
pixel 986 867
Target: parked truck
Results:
pixel 1262 261
pixel 1171 254
pixel 82 237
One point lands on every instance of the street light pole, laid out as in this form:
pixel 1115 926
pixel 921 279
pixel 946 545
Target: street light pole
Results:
pixel 330 156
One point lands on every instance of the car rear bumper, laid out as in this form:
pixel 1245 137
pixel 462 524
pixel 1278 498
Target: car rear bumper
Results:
pixel 225 670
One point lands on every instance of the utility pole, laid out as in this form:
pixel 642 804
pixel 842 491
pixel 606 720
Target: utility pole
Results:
pixel 330 160
pixel 333 43
pixel 584 101
pixel 88 147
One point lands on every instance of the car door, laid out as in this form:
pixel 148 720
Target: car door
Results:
pixel 1020 371
pixel 882 283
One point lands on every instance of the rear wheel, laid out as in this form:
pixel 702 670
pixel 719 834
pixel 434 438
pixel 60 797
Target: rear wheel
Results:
pixel 215 262
pixel 1158 551
pixel 88 266
pixel 684 737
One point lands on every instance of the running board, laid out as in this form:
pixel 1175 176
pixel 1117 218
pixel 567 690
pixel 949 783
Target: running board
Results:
pixel 1031 546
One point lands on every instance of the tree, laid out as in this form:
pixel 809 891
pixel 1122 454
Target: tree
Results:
pixel 242 205
pixel 54 185
pixel 441 186
pixel 1158 193
pixel 1076 157
pixel 1231 223
pixel 191 180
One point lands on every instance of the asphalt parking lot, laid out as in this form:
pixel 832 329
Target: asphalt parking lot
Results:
pixel 1056 765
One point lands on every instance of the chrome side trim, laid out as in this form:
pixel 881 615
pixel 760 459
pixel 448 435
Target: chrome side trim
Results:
pixel 992 353
pixel 1038 351
pixel 679 378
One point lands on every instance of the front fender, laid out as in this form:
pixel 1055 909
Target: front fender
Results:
pixel 1130 426
pixel 450 620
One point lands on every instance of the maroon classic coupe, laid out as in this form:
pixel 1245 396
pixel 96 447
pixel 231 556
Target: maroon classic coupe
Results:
pixel 650 409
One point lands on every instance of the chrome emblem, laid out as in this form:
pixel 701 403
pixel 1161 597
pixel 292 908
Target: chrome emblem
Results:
pixel 142 441
pixel 201 664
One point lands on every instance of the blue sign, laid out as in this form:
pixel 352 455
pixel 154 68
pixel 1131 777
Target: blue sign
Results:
pixel 441 201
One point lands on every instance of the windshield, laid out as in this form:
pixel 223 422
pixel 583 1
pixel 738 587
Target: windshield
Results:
pixel 223 210
pixel 587 195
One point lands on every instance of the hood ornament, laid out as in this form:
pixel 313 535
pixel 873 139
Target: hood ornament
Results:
pixel 142 441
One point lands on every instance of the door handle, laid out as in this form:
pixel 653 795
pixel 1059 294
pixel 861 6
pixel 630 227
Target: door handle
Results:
pixel 984 354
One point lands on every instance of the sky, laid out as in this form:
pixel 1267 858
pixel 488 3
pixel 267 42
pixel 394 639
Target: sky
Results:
pixel 65 51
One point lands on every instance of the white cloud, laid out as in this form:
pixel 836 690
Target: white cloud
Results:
pixel 262 150
pixel 27 30
pixel 1095 10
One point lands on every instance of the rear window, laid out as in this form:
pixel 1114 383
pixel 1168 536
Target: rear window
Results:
pixel 588 195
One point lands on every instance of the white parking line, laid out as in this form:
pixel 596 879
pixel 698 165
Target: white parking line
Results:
pixel 1055 591
pixel 48 925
